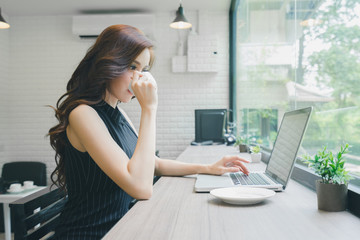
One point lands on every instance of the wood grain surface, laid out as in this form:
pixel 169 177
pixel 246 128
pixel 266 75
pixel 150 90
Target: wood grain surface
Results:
pixel 175 211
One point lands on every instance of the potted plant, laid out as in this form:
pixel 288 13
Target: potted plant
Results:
pixel 242 142
pixel 255 153
pixel 333 186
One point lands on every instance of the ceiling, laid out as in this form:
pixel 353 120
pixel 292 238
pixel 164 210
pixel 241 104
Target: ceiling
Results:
pixel 75 7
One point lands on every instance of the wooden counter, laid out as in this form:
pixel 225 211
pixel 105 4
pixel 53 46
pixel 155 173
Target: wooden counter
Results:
pixel 175 211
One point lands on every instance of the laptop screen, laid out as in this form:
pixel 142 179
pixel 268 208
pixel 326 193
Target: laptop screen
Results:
pixel 287 143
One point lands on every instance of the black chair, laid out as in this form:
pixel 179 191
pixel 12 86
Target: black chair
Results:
pixel 20 172
pixel 23 171
pixel 37 218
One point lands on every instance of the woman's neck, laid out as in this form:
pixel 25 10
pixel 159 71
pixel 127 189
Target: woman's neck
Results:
pixel 109 99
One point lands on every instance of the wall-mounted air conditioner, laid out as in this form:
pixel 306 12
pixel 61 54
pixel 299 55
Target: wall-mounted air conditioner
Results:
pixel 92 25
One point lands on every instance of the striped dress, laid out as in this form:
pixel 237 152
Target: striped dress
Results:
pixel 95 202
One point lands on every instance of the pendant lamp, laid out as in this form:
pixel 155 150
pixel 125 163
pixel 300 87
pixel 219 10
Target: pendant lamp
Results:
pixel 180 21
pixel 3 23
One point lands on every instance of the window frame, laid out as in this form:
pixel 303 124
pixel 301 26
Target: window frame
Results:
pixel 300 173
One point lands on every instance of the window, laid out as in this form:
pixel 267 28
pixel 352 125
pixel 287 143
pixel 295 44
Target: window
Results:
pixel 298 53
pixel 259 125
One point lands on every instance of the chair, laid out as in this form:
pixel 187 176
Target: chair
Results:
pixel 20 172
pixel 37 218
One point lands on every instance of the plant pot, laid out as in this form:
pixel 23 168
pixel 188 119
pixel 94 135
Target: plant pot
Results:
pixel 331 197
pixel 255 157
pixel 243 148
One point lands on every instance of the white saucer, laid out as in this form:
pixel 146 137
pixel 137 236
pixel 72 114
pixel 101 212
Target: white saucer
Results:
pixel 242 195
pixel 15 191
pixel 21 189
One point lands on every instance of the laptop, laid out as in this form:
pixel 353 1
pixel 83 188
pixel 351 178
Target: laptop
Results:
pixel 281 161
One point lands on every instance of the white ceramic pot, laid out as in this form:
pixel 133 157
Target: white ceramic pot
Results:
pixel 255 157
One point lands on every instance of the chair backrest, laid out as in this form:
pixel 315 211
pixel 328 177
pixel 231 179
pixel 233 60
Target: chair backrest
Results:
pixel 38 217
pixel 23 171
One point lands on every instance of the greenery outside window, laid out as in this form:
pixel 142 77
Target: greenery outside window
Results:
pixel 259 126
pixel 298 53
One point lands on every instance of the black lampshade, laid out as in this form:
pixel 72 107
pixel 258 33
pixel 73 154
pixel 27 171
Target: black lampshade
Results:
pixel 3 23
pixel 180 21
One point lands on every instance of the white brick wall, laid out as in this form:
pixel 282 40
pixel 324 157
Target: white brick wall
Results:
pixel 41 54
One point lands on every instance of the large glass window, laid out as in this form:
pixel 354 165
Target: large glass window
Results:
pixel 298 53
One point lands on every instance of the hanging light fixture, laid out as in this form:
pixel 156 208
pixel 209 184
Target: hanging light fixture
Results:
pixel 3 23
pixel 180 21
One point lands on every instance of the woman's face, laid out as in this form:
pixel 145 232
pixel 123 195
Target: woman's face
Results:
pixel 119 87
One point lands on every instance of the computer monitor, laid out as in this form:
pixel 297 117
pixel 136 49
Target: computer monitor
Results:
pixel 210 125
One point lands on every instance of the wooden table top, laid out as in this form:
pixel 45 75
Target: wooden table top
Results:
pixel 175 211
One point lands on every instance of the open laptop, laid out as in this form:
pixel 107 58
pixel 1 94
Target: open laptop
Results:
pixel 281 162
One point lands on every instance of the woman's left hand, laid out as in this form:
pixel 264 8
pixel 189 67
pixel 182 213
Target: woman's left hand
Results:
pixel 229 164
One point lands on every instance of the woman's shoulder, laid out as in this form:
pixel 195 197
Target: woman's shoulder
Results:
pixel 83 111
pixel 85 117
pixel 84 123
pixel 83 108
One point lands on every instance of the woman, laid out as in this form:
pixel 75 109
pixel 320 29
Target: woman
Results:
pixel 102 162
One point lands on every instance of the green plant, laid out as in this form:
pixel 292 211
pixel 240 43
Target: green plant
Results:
pixel 241 140
pixel 330 168
pixel 255 149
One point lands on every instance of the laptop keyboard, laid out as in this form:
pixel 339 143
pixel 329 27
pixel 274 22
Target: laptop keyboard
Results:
pixel 251 179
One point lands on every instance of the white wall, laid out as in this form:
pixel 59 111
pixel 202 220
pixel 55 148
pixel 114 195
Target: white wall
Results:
pixel 43 53
pixel 4 80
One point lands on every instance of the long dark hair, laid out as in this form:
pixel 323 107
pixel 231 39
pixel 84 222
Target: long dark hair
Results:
pixel 111 55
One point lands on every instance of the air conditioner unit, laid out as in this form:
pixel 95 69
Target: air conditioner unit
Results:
pixel 87 26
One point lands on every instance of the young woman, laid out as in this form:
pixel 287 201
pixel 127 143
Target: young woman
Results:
pixel 102 162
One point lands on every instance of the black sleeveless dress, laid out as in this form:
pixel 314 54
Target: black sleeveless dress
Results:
pixel 95 202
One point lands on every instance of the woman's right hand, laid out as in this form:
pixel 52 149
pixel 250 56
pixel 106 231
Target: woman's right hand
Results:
pixel 145 91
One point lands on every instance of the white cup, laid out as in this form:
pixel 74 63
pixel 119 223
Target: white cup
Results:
pixel 15 187
pixel 150 78
pixel 28 184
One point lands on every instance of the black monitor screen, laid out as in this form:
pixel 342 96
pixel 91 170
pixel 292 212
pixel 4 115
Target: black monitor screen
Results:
pixel 210 125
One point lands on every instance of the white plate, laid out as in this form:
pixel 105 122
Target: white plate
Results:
pixel 16 191
pixel 21 189
pixel 242 195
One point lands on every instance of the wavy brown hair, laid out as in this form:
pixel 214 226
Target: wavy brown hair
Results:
pixel 111 55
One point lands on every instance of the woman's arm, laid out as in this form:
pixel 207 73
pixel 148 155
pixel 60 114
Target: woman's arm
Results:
pixel 134 176
pixel 87 132
pixel 164 167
